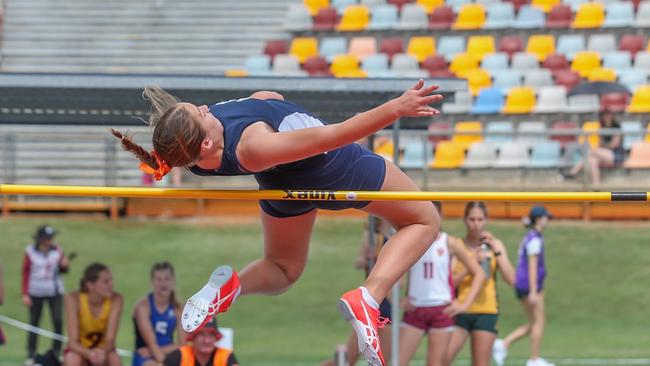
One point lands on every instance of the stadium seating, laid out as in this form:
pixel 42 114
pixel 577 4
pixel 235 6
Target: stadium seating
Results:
pixel 384 17
pixel 470 16
pixel 316 5
pixel 326 19
pixel 413 17
pixel 467 133
pixel 421 47
pixel 591 128
pixel 589 15
pixel 355 18
pixel 545 154
pixel 480 155
pixel 480 46
pixel 639 156
pixel 362 47
pixel 541 45
pixel 477 79
pixel 520 100
pixel 512 154
pixel 632 133
pixel 640 102
pixel 489 101
pixel 303 48
pixel 448 155
pixel 563 139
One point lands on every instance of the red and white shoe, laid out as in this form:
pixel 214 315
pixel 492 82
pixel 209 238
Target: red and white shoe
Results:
pixel 215 297
pixel 366 321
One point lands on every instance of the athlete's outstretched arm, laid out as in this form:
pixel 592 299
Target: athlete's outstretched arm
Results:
pixel 265 94
pixel 260 148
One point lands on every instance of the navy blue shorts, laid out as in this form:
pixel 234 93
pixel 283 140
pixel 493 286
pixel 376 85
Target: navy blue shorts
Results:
pixel 350 168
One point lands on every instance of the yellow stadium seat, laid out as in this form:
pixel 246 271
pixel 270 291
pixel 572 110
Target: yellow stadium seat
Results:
pixel 430 5
pixel 584 62
pixel 603 74
pixel 362 47
pixel 545 5
pixel 448 155
pixel 315 5
pixel 235 73
pixel 640 102
pixel 541 45
pixel 520 100
pixel 591 128
pixel 480 46
pixel 384 148
pixel 463 139
pixel 589 15
pixel 421 47
pixel 647 135
pixel 303 48
pixel 355 18
pixel 477 79
pixel 470 16
pixel 463 62
pixel 343 65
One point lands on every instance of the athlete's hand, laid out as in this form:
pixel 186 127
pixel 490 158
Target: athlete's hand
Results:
pixel 406 304
pixel 97 356
pixel 415 101
pixel 454 308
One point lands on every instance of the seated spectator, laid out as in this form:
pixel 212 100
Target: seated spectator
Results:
pixel 609 154
pixel 203 351
pixel 155 317
pixel 92 317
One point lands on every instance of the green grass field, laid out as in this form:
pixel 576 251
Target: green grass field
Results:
pixel 597 290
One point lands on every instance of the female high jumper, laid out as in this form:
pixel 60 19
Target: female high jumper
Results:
pixel 284 147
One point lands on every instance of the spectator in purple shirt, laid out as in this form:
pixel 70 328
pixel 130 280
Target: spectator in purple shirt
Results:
pixel 529 284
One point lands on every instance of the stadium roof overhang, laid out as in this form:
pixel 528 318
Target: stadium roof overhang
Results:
pixel 117 100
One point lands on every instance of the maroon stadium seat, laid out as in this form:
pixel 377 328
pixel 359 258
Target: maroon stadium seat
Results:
pixel 276 46
pixel 556 61
pixel 435 64
pixel 563 139
pixel 317 66
pixel 326 19
pixel 559 16
pixel 518 3
pixel 439 126
pixel 442 17
pixel 636 4
pixel 391 46
pixel 511 45
pixel 400 3
pixel 567 78
pixel 614 102
pixel 631 43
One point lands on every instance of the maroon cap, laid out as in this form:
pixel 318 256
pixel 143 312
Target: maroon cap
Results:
pixel 210 326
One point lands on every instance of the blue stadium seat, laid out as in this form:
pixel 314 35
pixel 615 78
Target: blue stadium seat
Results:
pixel 642 19
pixel 538 78
pixel 450 46
pixel 633 78
pixel 619 14
pixel 495 62
pixel 506 79
pixel 529 17
pixel 417 152
pixel 522 61
pixel 602 43
pixel 499 132
pixel 298 18
pixel 332 46
pixel 570 44
pixel 500 15
pixel 633 132
pixel 377 66
pixel 258 65
pixel 546 154
pixel 531 131
pixel 340 5
pixel 488 101
pixel 413 17
pixel 384 17
pixel 617 60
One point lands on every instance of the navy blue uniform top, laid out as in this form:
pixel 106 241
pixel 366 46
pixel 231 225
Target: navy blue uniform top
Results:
pixel 350 167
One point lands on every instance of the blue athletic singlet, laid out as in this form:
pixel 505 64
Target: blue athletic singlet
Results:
pixel 350 167
pixel 163 325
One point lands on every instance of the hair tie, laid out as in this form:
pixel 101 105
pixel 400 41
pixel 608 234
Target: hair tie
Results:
pixel 163 168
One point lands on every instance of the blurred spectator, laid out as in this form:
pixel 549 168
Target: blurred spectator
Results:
pixel 41 282
pixel 93 317
pixel 366 258
pixel 529 286
pixel 2 300
pixel 608 154
pixel 156 317
pixel 203 351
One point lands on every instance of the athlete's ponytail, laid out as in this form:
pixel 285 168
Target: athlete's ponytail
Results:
pixel 177 135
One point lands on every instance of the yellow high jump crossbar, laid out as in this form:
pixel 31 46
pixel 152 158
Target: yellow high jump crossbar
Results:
pixel 320 195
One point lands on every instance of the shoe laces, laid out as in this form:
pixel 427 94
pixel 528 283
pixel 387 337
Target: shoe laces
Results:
pixel 382 322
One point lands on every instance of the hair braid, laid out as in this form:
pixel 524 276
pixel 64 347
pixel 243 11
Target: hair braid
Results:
pixel 137 150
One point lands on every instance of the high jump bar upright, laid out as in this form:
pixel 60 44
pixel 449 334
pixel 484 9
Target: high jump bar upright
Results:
pixel 320 195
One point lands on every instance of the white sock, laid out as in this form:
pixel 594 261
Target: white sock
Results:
pixel 369 299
